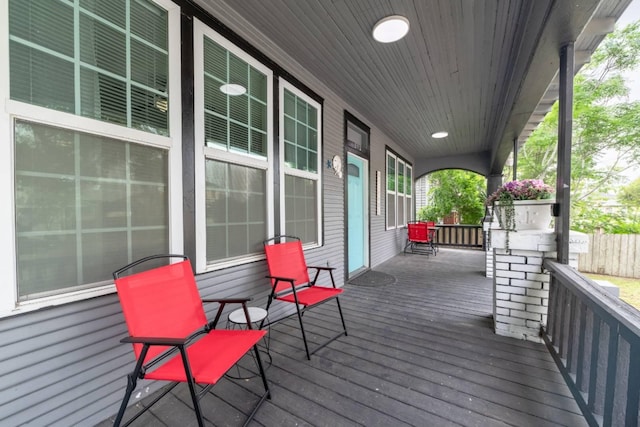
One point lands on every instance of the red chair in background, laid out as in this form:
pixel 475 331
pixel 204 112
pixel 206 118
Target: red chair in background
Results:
pixel 171 336
pixel 420 238
pixel 290 282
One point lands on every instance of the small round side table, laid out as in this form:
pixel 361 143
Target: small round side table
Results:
pixel 237 320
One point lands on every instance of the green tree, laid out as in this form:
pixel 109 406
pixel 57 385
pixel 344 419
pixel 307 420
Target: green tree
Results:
pixel 605 127
pixel 458 190
pixel 629 195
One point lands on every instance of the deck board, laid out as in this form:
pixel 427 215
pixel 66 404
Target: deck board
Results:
pixel 420 352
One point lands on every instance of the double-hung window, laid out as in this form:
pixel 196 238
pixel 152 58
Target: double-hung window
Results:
pixel 89 157
pixel 399 191
pixel 233 118
pixel 300 155
pixel 408 193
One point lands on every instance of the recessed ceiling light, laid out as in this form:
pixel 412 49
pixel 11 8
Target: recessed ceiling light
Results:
pixel 232 89
pixel 391 29
pixel 441 134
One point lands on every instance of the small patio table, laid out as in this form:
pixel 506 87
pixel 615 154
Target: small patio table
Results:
pixel 237 320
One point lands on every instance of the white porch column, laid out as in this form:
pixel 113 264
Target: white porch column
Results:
pixel 490 222
pixel 520 284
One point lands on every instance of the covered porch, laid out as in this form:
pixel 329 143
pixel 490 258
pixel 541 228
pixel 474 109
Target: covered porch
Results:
pixel 420 351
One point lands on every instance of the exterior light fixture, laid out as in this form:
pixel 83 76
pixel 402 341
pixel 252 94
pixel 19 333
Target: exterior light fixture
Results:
pixel 232 89
pixel 441 134
pixel 391 29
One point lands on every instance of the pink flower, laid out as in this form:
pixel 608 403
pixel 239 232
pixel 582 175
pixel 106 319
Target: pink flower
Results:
pixel 526 189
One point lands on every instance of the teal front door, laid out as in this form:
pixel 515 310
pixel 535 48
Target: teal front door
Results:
pixel 357 214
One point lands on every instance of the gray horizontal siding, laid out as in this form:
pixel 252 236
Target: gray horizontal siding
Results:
pixel 65 365
pixel 384 243
pixel 57 360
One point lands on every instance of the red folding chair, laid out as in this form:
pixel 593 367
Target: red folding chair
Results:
pixel 420 238
pixel 172 339
pixel 290 282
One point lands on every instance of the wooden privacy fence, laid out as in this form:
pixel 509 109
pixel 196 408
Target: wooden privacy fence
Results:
pixel 612 255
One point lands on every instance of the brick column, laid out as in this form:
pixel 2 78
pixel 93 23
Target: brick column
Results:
pixel 520 284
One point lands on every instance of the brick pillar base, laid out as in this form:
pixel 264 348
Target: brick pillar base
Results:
pixel 520 284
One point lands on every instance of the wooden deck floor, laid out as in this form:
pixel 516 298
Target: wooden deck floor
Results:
pixel 420 352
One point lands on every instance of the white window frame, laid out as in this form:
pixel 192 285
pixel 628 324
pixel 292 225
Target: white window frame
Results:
pixel 218 153
pixel 285 170
pixel 388 192
pixel 15 110
pixel 409 210
pixel 407 198
pixel 401 220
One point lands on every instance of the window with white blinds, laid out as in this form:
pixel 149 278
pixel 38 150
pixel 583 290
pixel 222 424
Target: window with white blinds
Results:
pixel 399 191
pixel 97 59
pixel 234 104
pixel 300 145
pixel 234 121
pixel 90 167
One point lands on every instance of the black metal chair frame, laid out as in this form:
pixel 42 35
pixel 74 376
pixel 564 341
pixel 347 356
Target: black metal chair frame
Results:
pixel 295 290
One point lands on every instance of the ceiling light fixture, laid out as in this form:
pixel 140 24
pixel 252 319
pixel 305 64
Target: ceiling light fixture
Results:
pixel 441 134
pixel 232 89
pixel 391 29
